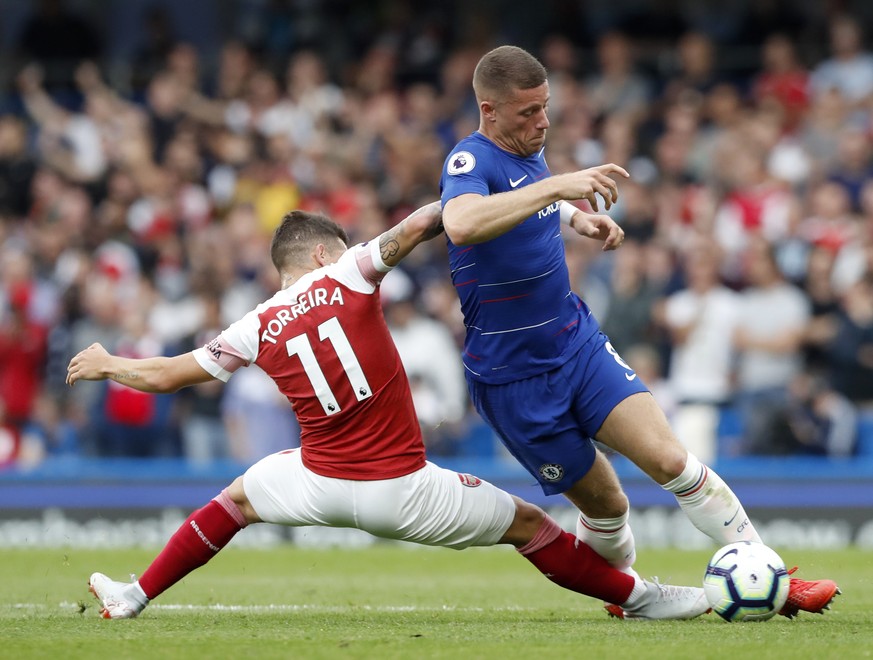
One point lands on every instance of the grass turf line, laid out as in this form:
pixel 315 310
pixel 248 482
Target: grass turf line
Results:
pixel 396 601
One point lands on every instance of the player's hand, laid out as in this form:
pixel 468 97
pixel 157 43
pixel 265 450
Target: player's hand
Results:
pixel 588 184
pixel 88 364
pixel 599 227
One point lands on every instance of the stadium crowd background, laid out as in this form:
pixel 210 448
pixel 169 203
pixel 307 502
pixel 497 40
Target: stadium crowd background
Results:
pixel 148 149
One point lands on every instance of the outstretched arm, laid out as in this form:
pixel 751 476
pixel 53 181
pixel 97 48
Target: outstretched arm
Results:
pixel 159 375
pixel 475 218
pixel 421 225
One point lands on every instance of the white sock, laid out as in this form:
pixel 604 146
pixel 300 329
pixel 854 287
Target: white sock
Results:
pixel 711 505
pixel 611 538
pixel 638 591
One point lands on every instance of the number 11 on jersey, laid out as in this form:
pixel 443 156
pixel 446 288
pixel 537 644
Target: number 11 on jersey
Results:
pixel 302 348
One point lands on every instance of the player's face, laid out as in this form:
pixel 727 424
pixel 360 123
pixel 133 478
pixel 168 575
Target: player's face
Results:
pixel 520 121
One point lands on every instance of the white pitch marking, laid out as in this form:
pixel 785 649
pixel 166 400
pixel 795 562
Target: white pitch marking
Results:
pixel 278 607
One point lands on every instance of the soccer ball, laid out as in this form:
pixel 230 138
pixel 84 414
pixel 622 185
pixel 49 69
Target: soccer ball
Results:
pixel 746 581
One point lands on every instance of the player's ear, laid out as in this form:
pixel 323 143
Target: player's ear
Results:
pixel 489 110
pixel 320 255
pixel 323 255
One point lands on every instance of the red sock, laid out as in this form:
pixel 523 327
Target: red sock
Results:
pixel 572 564
pixel 201 536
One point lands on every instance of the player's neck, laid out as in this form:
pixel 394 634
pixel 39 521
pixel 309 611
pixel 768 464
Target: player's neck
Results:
pixel 288 278
pixel 506 144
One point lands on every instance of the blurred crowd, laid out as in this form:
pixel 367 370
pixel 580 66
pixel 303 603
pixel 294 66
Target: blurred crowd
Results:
pixel 137 211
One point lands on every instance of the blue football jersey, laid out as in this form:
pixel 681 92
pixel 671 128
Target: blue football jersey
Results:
pixel 521 316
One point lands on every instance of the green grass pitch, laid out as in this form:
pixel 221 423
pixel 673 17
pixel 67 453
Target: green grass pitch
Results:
pixel 397 601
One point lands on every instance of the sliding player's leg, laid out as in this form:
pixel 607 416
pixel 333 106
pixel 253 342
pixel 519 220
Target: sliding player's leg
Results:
pixel 441 507
pixel 205 532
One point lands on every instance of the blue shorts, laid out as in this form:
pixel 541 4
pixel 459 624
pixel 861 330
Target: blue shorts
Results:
pixel 547 421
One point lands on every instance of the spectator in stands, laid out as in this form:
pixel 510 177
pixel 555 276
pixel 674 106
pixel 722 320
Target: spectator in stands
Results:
pixel 818 285
pixel 49 433
pixel 616 88
pixel 17 167
pixel 821 127
pixel 430 357
pixel 695 67
pixel 772 318
pixel 816 421
pixel 851 349
pixel 628 316
pixel 22 354
pixel 99 317
pixel 756 206
pixel 258 419
pixel 856 257
pixel 849 70
pixel 559 56
pixel 853 165
pixel 204 436
pixel 635 212
pixel 136 425
pixel 783 80
pixel 830 223
pixel 647 363
pixel 68 141
pixel 316 101
pixel 701 319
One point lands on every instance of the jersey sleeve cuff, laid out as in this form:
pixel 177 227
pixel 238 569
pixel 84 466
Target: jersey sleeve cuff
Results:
pixel 376 256
pixel 201 355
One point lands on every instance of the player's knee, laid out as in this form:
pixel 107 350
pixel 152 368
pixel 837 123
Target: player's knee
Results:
pixel 529 515
pixel 615 505
pixel 237 494
pixel 607 500
pixel 526 523
pixel 669 466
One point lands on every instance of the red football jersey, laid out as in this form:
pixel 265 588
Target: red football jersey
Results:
pixel 325 343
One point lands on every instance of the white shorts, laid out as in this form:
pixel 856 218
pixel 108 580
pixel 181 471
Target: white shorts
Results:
pixel 432 506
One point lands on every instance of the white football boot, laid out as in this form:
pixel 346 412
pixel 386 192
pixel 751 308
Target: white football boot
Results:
pixel 119 600
pixel 664 601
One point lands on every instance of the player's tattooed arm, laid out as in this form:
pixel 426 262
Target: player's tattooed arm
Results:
pixel 432 215
pixel 122 376
pixel 389 246
pixel 421 225
pixel 155 374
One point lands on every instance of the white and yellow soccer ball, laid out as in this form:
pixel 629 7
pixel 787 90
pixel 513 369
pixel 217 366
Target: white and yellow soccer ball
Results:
pixel 746 581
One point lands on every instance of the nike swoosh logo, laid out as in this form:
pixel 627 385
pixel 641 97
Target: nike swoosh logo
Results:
pixel 514 184
pixel 630 376
pixel 732 517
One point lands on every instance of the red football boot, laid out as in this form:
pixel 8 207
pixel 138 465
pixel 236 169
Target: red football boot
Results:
pixel 808 595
